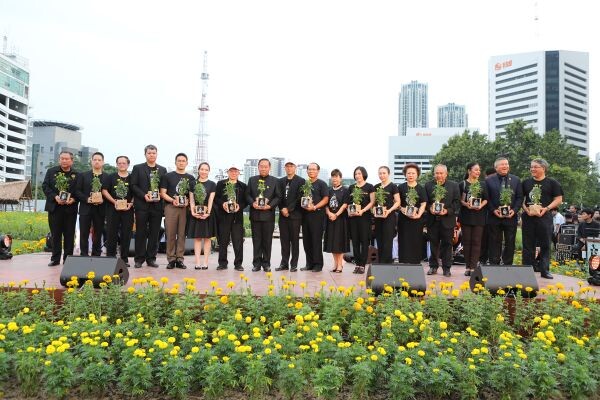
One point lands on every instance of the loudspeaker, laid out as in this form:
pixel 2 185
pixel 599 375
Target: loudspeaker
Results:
pixel 394 274
pixel 505 277
pixel 80 266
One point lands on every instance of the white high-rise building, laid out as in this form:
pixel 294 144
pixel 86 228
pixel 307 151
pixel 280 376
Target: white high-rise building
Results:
pixel 412 107
pixel 15 149
pixel 452 116
pixel 547 89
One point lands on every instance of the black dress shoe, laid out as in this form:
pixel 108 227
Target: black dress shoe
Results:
pixel 237 268
pixel 306 269
pixel 293 269
pixel 180 265
pixel 221 267
pixel 281 268
pixel 547 276
pixel 467 272
pixel 447 272
pixel 171 265
pixel 256 269
pixel 267 269
pixel 152 264
pixel 432 271
pixel 137 265
pixel 317 269
pixel 53 263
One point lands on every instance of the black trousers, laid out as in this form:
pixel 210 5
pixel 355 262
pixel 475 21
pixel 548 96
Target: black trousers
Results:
pixel 230 229
pixel 313 226
pixel 289 236
pixel 440 239
pixel 360 233
pixel 471 241
pixel 537 231
pixel 262 240
pixel 385 230
pixel 120 225
pixel 147 223
pixel 497 235
pixel 62 227
pixel 94 219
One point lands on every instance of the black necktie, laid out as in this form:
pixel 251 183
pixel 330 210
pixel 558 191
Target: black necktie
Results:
pixel 503 181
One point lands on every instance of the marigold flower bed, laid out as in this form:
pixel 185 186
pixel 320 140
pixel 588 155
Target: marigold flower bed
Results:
pixel 335 343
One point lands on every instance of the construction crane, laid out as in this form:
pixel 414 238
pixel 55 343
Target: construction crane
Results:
pixel 201 144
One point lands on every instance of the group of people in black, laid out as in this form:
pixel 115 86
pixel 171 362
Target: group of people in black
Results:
pixel 329 217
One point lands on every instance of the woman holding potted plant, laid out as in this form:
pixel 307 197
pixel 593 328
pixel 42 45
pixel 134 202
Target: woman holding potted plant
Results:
pixel 202 226
pixel 336 232
pixel 387 201
pixel 413 201
pixel 473 199
pixel 362 198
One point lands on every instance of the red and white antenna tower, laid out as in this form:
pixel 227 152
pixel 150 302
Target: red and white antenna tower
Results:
pixel 201 144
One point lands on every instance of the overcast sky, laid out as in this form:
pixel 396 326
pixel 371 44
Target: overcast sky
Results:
pixel 308 81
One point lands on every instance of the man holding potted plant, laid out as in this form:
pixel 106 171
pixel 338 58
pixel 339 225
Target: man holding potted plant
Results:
pixel 175 189
pixel 145 179
pixel 92 210
pixel 444 206
pixel 313 219
pixel 290 218
pixel 59 183
pixel 542 194
pixel 505 196
pixel 230 201
pixel 263 196
pixel 119 196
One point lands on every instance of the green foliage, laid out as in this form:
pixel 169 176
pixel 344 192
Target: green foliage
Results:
pixel 328 381
pixel 154 180
pixel 121 188
pixel 412 196
pixel 475 189
pixel 256 381
pixel 62 182
pixel 356 195
pixel 230 191
pixel 59 375
pixel 290 380
pixel 96 184
pixel 199 193
pixel 24 225
pixel 219 377
pixel 536 194
pixel 183 187
pixel 175 378
pixel 306 188
pixel 439 192
pixel 506 194
pixel 380 195
pixel 136 376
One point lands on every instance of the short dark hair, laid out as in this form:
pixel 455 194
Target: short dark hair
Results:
pixel 411 165
pixel 318 166
pixel 65 152
pixel 264 159
pixel 125 157
pixel 336 172
pixel 204 163
pixel 98 154
pixel 362 170
pixel 150 147
pixel 469 168
pixel 588 211
pixel 181 155
pixel 384 167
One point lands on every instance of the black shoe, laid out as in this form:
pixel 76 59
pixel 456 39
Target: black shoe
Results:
pixel 317 269
pixel 267 269
pixel 432 271
pixel 281 268
pixel 547 275
pixel 180 265
pixel 137 265
pixel 171 265
pixel 256 269
pixel 306 268
pixel 221 267
pixel 128 266
pixel 238 268
pixel 53 263
pixel 467 272
pixel 447 272
pixel 152 264
pixel 293 269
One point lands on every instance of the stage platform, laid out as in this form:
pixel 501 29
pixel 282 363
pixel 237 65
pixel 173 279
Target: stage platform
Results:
pixel 34 269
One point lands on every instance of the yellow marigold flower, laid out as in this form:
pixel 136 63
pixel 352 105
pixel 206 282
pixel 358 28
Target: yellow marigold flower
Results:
pixel 224 299
pixel 443 325
pixel 47 363
pixel 130 289
pixel 408 361
pixel 421 353
pixel 50 349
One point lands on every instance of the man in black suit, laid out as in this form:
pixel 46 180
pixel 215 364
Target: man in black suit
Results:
pixel 440 226
pixel 290 218
pixel 62 212
pixel 148 207
pixel 230 223
pixel 91 214
pixel 263 196
pixel 502 229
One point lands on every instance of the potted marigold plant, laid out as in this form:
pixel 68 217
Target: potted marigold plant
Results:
pixel 96 194
pixel 475 194
pixel 411 201
pixel 183 188
pixel 121 190
pixel 62 185
pixel 535 208
pixel 154 185
pixel 199 198
pixel 231 196
pixel 355 207
pixel 379 209
pixel 439 192
pixel 505 201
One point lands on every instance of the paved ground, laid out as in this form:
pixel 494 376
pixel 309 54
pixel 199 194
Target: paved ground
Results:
pixel 33 267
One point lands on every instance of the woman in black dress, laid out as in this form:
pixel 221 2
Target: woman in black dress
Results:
pixel 336 232
pixel 362 196
pixel 472 216
pixel 202 225
pixel 410 220
pixel 385 222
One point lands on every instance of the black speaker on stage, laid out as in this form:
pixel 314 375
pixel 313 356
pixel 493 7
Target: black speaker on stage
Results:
pixel 394 275
pixel 79 266
pixel 505 277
